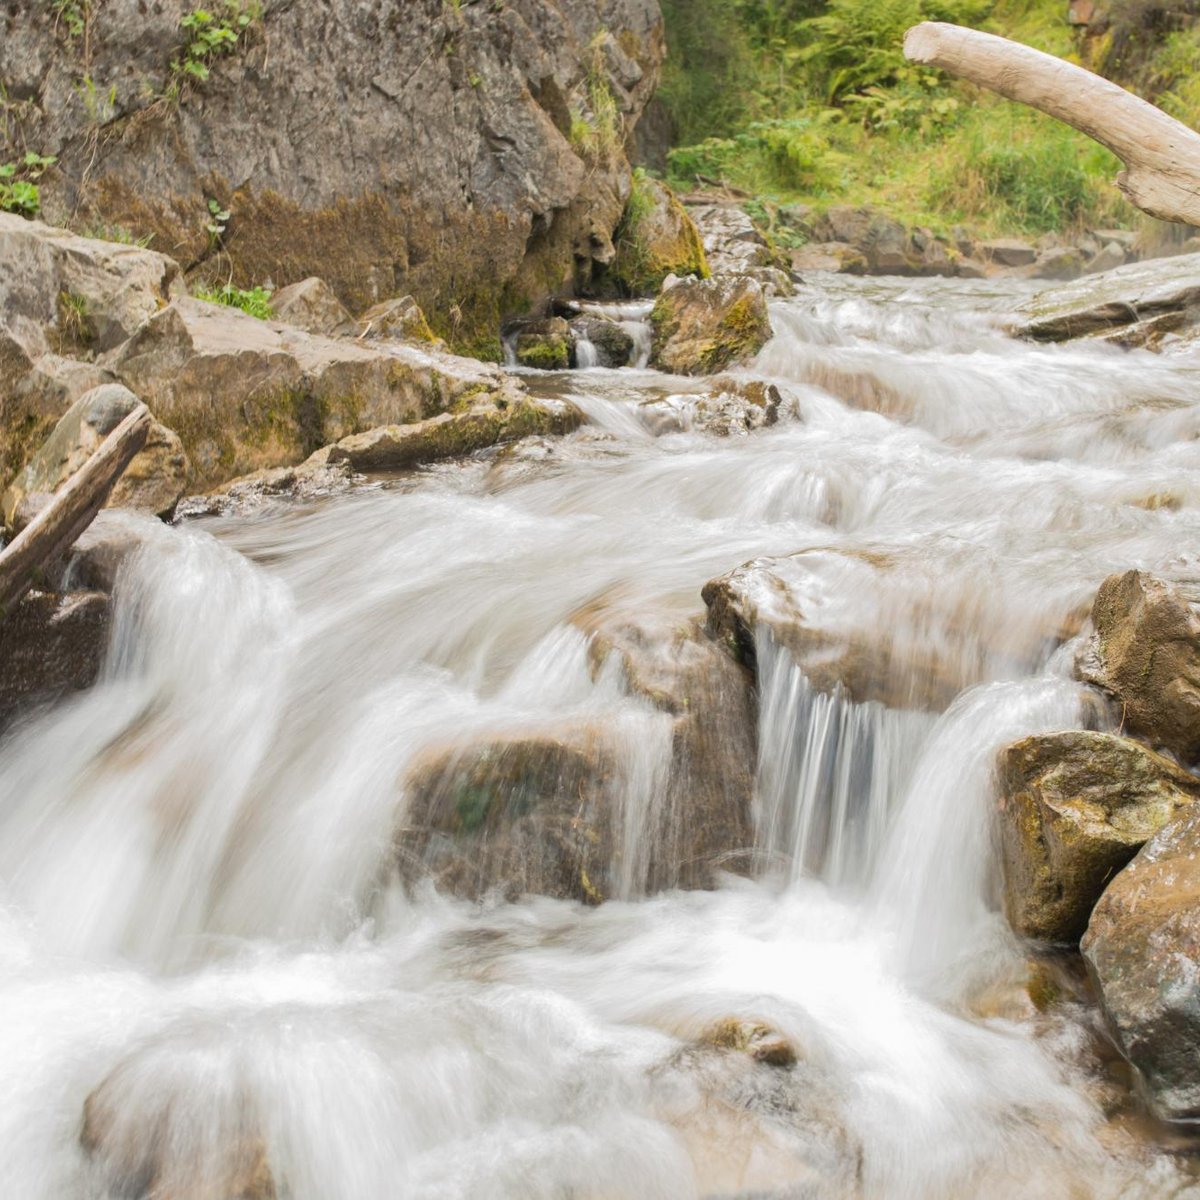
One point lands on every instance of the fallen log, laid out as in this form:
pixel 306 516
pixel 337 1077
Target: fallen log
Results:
pixel 1161 155
pixel 72 509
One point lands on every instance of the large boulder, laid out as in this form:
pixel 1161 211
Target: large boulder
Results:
pixel 312 305
pixel 245 394
pixel 733 244
pixel 470 154
pixel 1142 948
pixel 1074 809
pixel 153 481
pixel 703 326
pixel 51 644
pixel 1116 299
pixel 1145 653
pixel 656 238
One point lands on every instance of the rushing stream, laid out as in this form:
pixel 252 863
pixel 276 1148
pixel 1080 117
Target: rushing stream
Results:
pixel 201 908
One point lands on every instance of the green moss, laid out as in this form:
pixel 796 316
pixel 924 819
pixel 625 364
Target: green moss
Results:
pixel 545 352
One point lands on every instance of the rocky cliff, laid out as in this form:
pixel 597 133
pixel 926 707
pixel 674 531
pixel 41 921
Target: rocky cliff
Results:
pixel 469 152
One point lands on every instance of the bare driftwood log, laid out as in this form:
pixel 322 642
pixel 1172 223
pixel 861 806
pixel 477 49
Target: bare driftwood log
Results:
pixel 1161 155
pixel 72 509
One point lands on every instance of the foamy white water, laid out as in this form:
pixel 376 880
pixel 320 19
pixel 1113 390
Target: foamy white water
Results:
pixel 201 913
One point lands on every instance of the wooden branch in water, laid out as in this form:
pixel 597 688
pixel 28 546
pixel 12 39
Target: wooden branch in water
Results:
pixel 54 529
pixel 1161 155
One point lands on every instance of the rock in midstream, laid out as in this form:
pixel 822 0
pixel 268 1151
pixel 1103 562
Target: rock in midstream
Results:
pixel 703 326
pixel 1145 653
pixel 1074 809
pixel 1142 946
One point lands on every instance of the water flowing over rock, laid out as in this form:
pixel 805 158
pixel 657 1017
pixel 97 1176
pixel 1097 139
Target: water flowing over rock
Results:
pixel 1163 289
pixel 1145 653
pixel 1074 809
pixel 153 481
pixel 703 326
pixel 245 394
pixel 1143 948
pixel 732 407
pixel 423 131
pixel 611 345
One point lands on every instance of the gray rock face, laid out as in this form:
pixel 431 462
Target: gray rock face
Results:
pixel 1074 809
pixel 1143 949
pixel 398 146
pixel 1145 653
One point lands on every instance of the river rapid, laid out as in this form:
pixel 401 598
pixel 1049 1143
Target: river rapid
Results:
pixel 200 905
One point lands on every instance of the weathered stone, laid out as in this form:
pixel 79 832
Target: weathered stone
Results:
pixel 448 435
pixel 656 238
pixel 1142 947
pixel 732 243
pixel 612 345
pixel 1008 252
pixel 702 326
pixel 1059 263
pixel 1145 653
pixel 881 240
pixel 399 319
pixel 1108 258
pixel 425 133
pixel 732 407
pixel 545 345
pixel 839 257
pixel 312 305
pixel 705 824
pixel 245 395
pixel 153 481
pixel 50 645
pixel 1074 809
pixel 530 812
pixel 1122 297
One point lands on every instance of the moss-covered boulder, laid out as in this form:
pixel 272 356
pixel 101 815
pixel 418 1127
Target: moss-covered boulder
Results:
pixel 545 345
pixel 703 326
pixel 1145 653
pixel 1142 948
pixel 1074 809
pixel 656 238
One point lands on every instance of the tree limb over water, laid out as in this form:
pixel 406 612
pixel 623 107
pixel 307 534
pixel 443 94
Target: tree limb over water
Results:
pixel 1161 155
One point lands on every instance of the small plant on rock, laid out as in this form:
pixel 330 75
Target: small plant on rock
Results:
pixel 256 300
pixel 18 184
pixel 210 34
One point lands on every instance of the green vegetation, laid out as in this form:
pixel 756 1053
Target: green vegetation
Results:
pixel 256 300
pixel 813 101
pixel 209 34
pixel 18 184
pixel 598 130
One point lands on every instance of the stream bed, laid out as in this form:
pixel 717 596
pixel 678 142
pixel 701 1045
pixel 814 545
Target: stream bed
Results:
pixel 217 983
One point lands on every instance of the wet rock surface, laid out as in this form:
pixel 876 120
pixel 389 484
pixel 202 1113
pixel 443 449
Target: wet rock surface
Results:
pixel 1143 948
pixel 703 326
pixel 612 345
pixel 1074 809
pixel 732 407
pixel 1145 653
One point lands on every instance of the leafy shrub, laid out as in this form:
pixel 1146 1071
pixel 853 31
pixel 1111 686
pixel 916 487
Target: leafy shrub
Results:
pixel 209 35
pixel 256 300
pixel 18 184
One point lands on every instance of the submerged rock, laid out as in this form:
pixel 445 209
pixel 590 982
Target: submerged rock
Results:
pixel 1142 947
pixel 245 394
pixel 1118 298
pixel 51 644
pixel 1074 809
pixel 732 407
pixel 702 326
pixel 153 481
pixel 1145 653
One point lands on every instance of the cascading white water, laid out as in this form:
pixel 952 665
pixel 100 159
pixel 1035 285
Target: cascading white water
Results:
pixel 202 928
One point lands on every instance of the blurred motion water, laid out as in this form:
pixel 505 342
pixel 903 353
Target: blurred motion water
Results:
pixel 204 929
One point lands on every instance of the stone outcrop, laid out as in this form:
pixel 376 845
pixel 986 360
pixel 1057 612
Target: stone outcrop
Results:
pixel 1145 653
pixel 153 481
pixel 1074 809
pixel 703 326
pixel 423 132
pixel 1164 290
pixel 1142 948
pixel 51 644
pixel 311 305
pixel 732 407
pixel 245 394
pixel 656 238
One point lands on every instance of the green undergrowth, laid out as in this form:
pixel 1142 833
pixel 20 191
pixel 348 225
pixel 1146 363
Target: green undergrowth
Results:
pixel 812 101
pixel 256 300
